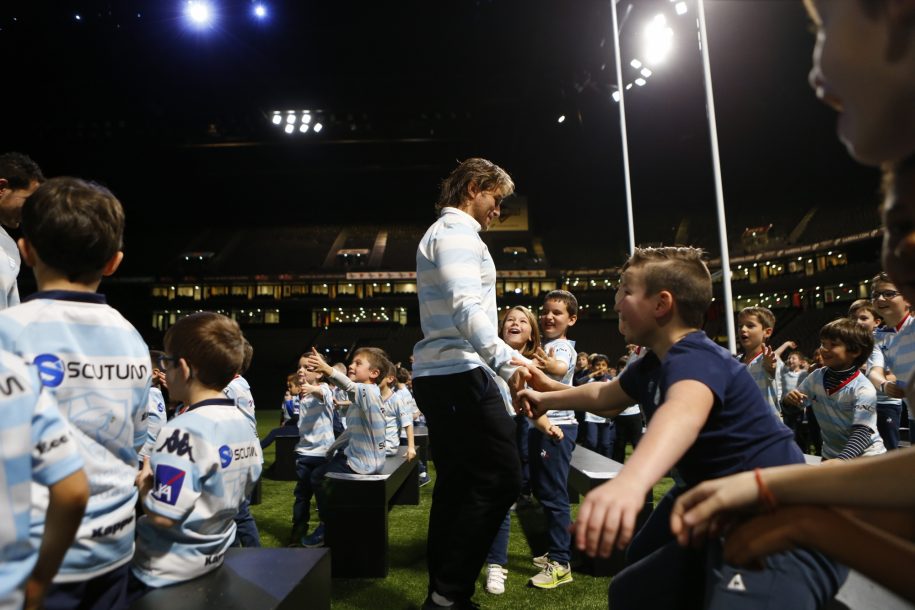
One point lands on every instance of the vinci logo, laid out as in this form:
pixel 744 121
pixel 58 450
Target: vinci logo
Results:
pixel 168 484
pixel 50 370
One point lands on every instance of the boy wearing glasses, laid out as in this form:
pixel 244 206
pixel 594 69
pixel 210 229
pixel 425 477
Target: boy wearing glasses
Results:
pixel 893 358
pixel 96 365
pixel 205 463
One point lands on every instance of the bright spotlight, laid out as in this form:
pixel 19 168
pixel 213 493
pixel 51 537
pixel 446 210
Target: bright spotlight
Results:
pixel 303 128
pixel 289 128
pixel 616 96
pixel 658 40
pixel 306 118
pixel 290 118
pixel 260 11
pixel 561 119
pixel 277 119
pixel 635 64
pixel 640 81
pixel 680 7
pixel 318 127
pixel 199 12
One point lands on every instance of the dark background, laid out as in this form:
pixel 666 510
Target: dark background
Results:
pixel 176 121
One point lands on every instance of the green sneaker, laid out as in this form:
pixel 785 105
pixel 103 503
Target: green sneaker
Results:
pixel 552 575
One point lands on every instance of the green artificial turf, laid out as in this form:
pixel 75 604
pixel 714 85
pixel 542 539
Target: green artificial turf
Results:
pixel 405 585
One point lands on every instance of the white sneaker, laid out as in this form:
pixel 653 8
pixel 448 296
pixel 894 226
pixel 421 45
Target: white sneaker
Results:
pixel 495 579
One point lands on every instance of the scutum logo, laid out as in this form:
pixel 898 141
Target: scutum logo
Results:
pixel 225 456
pixel 50 370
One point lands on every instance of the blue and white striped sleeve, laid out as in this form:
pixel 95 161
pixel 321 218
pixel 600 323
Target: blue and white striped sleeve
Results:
pixel 459 259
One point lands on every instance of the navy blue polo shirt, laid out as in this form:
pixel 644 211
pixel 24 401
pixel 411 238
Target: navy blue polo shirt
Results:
pixel 741 432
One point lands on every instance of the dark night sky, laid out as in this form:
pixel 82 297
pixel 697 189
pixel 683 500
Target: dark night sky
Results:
pixel 426 83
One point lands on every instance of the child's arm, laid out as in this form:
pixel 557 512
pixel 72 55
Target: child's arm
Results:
pixel 67 502
pixel 604 399
pixel 769 361
pixel 608 513
pixel 783 347
pixel 411 447
pixel 316 362
pixel 543 424
pixel 549 363
pixel 859 544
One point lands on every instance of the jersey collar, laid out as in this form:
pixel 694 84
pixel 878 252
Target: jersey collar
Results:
pixel 75 296
pixel 212 402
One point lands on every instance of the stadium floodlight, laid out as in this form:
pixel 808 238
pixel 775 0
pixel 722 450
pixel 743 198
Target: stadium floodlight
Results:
pixel 318 127
pixel 260 11
pixel 640 82
pixel 290 118
pixel 616 96
pixel 303 128
pixel 277 119
pixel 289 128
pixel 645 72
pixel 680 7
pixel 561 118
pixel 658 40
pixel 77 17
pixel 635 64
pixel 306 117
pixel 199 12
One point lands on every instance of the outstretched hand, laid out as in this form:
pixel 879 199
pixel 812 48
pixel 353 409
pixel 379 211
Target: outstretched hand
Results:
pixel 770 358
pixel 315 362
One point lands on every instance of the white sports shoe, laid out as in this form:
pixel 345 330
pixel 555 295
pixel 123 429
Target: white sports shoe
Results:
pixel 541 561
pixel 495 579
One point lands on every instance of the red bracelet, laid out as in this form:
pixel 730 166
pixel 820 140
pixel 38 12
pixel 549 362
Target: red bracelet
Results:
pixel 765 494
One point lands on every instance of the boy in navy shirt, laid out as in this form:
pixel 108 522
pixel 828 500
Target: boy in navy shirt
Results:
pixel 707 418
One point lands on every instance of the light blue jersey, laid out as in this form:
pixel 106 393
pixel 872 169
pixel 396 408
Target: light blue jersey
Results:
pixel 564 351
pixel 770 387
pixel 206 462
pixel 397 416
pixel 36 447
pixel 591 418
pixel 240 391
pixel 363 440
pixel 851 404
pixel 316 423
pixel 894 351
pixel 155 419
pixel 97 366
pixel 456 284
pixel 9 270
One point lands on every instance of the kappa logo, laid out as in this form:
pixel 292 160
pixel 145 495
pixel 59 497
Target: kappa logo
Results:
pixel 225 456
pixel 736 583
pixel 50 370
pixel 178 444
pixel 168 484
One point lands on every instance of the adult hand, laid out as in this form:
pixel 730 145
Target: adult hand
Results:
pixel 529 403
pixel 892 389
pixel 784 529
pixel 607 517
pixel 701 511
pixel 536 378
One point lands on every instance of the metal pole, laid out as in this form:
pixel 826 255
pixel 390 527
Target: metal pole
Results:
pixel 719 190
pixel 623 134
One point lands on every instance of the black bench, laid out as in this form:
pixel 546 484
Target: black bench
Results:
pixel 252 579
pixel 357 516
pixel 421 441
pixel 283 467
pixel 587 471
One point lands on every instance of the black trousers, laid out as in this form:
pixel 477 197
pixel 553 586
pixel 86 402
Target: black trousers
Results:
pixel 478 475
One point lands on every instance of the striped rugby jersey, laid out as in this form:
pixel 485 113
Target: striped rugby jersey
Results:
pixel 97 366
pixel 155 418
pixel 316 423
pixel 456 286
pixel 36 447
pixel 771 387
pixel 894 351
pixel 852 403
pixel 205 463
pixel 10 262
pixel 363 440
pixel 397 416
pixel 564 351
pixel 240 391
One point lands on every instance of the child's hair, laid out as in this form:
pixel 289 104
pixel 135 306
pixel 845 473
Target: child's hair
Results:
pixel 622 362
pixel 292 378
pixel 209 342
pixel 534 342
pixel 340 367
pixel 580 354
pixel 866 305
pixel 595 358
pixel 486 175
pixel 763 314
pixel 563 296
pixel 249 355
pixel 377 359
pixel 680 271
pixel 403 375
pixel 19 170
pixel 75 226
pixel 853 336
pixel 882 278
